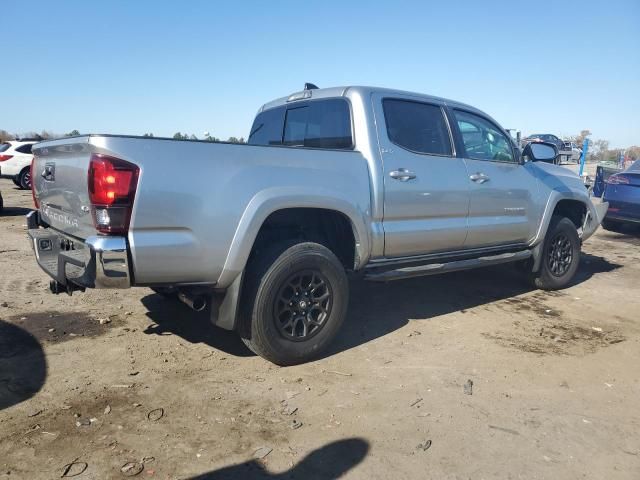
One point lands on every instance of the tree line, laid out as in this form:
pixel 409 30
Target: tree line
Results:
pixel 598 148
pixel 48 135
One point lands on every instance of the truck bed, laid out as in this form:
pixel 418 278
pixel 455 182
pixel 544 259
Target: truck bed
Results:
pixel 194 198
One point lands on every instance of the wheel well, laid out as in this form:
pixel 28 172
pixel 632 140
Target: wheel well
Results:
pixel 326 227
pixel 574 210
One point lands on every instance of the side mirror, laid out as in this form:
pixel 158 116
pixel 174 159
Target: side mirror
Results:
pixel 540 152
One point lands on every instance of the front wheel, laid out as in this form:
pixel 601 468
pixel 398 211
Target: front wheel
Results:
pixel 294 301
pixel 560 255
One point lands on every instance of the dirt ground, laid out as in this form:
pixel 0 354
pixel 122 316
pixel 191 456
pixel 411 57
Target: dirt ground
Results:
pixel 109 384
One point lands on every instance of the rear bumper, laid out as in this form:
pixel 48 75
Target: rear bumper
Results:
pixel 96 262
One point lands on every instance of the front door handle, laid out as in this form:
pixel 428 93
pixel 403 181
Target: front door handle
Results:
pixel 479 177
pixel 402 174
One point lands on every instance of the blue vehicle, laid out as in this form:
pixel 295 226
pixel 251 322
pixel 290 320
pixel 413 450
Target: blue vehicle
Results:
pixel 622 191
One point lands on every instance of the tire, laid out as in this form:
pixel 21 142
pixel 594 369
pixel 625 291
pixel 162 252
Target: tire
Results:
pixel 560 255
pixel 1 204
pixel 612 226
pixel 314 281
pixel 24 179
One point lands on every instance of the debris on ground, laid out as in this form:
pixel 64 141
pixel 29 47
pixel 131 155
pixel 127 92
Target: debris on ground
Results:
pixel 416 402
pixel 262 452
pixel 83 422
pixel 131 469
pixel 468 387
pixel 295 424
pixel 155 414
pixel 74 469
pixel 424 446
pixel 104 321
pixel 337 373
pixel 35 413
pixel 289 410
pixel 107 410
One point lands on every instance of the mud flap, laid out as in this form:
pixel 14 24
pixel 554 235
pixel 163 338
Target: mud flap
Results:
pixel 224 307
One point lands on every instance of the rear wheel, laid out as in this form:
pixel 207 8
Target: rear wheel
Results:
pixel 560 255
pixel 24 179
pixel 294 301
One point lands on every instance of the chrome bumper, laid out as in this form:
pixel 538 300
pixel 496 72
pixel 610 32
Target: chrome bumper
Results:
pixel 96 262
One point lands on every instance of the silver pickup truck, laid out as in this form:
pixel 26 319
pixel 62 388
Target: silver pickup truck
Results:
pixel 385 183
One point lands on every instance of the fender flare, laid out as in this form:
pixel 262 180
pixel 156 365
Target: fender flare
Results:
pixel 552 202
pixel 269 201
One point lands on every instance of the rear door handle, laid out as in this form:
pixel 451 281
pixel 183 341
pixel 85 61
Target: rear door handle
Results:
pixel 479 177
pixel 402 174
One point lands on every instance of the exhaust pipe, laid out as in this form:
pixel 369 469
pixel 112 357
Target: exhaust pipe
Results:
pixel 195 302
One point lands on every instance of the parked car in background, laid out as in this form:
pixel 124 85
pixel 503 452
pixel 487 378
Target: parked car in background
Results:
pixel 576 151
pixel 387 183
pixel 545 137
pixel 622 191
pixel 15 161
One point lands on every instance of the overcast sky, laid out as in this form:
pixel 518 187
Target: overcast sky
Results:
pixel 149 66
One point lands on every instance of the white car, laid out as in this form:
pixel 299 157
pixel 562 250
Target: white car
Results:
pixel 15 162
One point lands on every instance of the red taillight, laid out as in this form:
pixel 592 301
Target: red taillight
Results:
pixel 33 184
pixel 112 188
pixel 4 158
pixel 617 180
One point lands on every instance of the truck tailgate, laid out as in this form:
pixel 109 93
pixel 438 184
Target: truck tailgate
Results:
pixel 60 185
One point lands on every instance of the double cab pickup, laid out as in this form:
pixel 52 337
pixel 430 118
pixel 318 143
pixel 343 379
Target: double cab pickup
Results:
pixel 351 180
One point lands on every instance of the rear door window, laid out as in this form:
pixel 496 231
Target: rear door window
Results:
pixel 419 127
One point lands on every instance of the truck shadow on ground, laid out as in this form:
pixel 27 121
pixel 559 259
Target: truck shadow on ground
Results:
pixel 23 367
pixel 170 316
pixel 328 462
pixel 14 211
pixel 375 309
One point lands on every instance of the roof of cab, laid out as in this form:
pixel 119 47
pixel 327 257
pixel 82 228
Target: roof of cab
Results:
pixel 333 92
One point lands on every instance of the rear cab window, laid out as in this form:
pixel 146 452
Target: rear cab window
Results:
pixel 313 124
pixel 4 147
